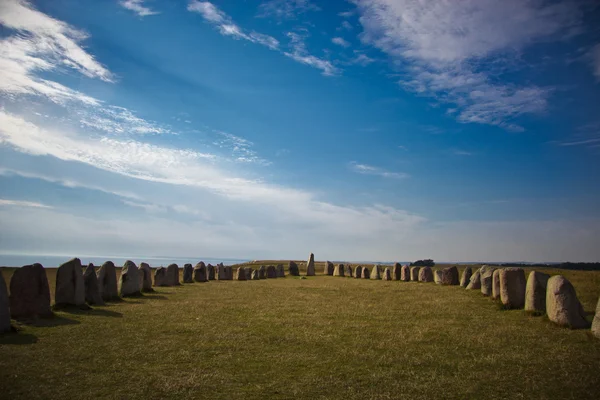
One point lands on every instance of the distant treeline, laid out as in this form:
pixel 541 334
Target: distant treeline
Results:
pixel 567 265
pixel 423 263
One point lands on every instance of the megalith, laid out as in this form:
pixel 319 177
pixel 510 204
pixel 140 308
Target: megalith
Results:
pixel 248 273
pixel 338 270
pixel 387 274
pixel 437 276
pixel 496 284
pixel 375 273
pixel 310 265
pixel 145 274
pixel 173 275
pixel 450 276
pixel 293 269
pixel 188 273
pixel 240 274
pixel 254 276
pixel 200 272
pixel 466 277
pixel 262 272
pixel 4 307
pixel 271 272
pixel 280 271
pixel 349 272
pixel 29 293
pixel 221 272
pixel 397 272
pixel 512 287
pixel 129 281
pixel 562 305
pixel 90 282
pixel 210 272
pixel 328 269
pixel 365 273
pixel 358 272
pixel 425 274
pixel 475 281
pixel 70 289
pixel 405 273
pixel 596 321
pixel 107 281
pixel 486 273
pixel 535 292
pixel 414 273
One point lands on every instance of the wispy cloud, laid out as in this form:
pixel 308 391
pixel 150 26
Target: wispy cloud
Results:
pixel 285 9
pixel 240 148
pixel 300 54
pixel 340 42
pixel 347 14
pixel 362 59
pixel 587 136
pixel 447 46
pixel 346 25
pixel 22 203
pixel 371 170
pixel 138 7
pixel 594 57
pixel 460 152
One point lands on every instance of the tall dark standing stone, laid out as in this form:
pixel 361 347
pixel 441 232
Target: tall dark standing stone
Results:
pixel 358 272
pixel 397 272
pixel 129 281
pixel 221 272
pixel 414 274
pixel 161 278
pixel 405 273
pixel 450 276
pixel 365 273
pixel 425 275
pixel 349 271
pixel 475 281
pixel 90 281
pixel 210 272
pixel 262 272
pixel 4 307
pixel 466 277
pixel 70 289
pixel 29 293
pixel 512 287
pixel 229 272
pixel 241 274
pixel 271 272
pixel 107 281
pixel 329 268
pixel 254 275
pixel 387 274
pixel 487 275
pixel 338 270
pixel 535 292
pixel 280 271
pixel 188 273
pixel 293 269
pixel 173 275
pixel 310 266
pixel 200 272
pixel 145 275
pixel 248 272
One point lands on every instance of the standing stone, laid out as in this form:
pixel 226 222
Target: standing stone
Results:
pixel 486 272
pixel 414 273
pixel 188 273
pixel 161 278
pixel 221 272
pixel 358 272
pixel 29 292
pixel 280 271
pixel 248 272
pixel 466 277
pixel 397 272
pixel 338 270
pixel 375 273
pixel 310 266
pixel 437 276
pixel 365 273
pixel 241 274
pixel 145 274
pixel 512 287
pixel 535 292
pixel 210 272
pixel 262 272
pixel 254 276
pixel 200 272
pixel 230 272
pixel 496 284
pixel 129 281
pixel 349 272
pixel 70 289
pixel 450 276
pixel 405 273
pixel 90 282
pixel 328 269
pixel 425 275
pixel 271 272
pixel 562 305
pixel 4 307
pixel 293 269
pixel 387 274
pixel 107 281
pixel 173 275
pixel 596 321
pixel 475 282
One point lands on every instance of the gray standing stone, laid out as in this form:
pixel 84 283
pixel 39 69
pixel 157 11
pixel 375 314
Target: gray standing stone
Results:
pixel 450 276
pixel 414 273
pixel 562 305
pixel 349 272
pixel 475 281
pixel 145 274
pixel 29 293
pixel 405 273
pixel 535 292
pixel 596 321
pixel 173 275
pixel 387 274
pixel 466 277
pixel 512 287
pixel 129 281
pixel 365 273
pixel 107 281
pixel 262 272
pixel 70 289
pixel 254 276
pixel 188 273
pixel 293 269
pixel 161 277
pixel 375 273
pixel 230 272
pixel 248 272
pixel 221 272
pixel 280 271
pixel 210 272
pixel 271 272
pixel 486 272
pixel 90 282
pixel 4 307
pixel 310 266
pixel 328 269
pixel 338 270
pixel 425 274
pixel 240 274
pixel 496 284
pixel 358 272
pixel 397 272
pixel 437 276
pixel 200 272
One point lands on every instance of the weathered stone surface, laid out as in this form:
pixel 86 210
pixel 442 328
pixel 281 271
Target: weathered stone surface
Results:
pixel 358 272
pixel 512 287
pixel 349 271
pixel 29 293
pixel 221 272
pixel 160 277
pixel 280 271
pixel 271 272
pixel 339 270
pixel 375 273
pixel 535 292
pixel 486 273
pixel 437 276
pixel 293 269
pixel 107 281
pixel 248 272
pixel 405 273
pixel 466 277
pixel 425 274
pixel 70 289
pixel 129 281
pixel 414 273
pixel 496 284
pixel 145 275
pixel 240 274
pixel 562 305
pixel 596 321
pixel 262 272
pixel 254 276
pixel 387 274
pixel 90 282
pixel 210 272
pixel 475 281
pixel 188 273
pixel 329 268
pixel 310 265
pixel 173 275
pixel 397 272
pixel 365 273
pixel 200 272
pixel 4 307
pixel 450 276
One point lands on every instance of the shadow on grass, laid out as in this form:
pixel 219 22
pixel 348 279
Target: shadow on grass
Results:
pixel 155 297
pixel 48 322
pixel 18 338
pixel 100 312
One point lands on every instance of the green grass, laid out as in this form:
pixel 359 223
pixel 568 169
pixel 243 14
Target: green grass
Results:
pixel 315 338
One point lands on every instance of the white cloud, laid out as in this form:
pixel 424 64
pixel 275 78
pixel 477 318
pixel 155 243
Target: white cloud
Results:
pixel 346 25
pixel 22 203
pixel 594 57
pixel 371 170
pixel 300 54
pixel 241 149
pixel 285 9
pixel 347 14
pixel 459 152
pixel 363 59
pixel 340 42
pixel 447 45
pixel 138 7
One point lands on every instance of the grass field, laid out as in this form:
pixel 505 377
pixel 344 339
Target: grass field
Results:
pixel 315 338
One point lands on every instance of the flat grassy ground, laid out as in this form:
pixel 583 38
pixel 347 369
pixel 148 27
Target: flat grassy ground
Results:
pixel 315 338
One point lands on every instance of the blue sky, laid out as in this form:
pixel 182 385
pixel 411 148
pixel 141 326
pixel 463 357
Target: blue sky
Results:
pixel 358 130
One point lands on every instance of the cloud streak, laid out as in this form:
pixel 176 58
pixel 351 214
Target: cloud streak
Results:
pixel 22 203
pixel 365 169
pixel 138 7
